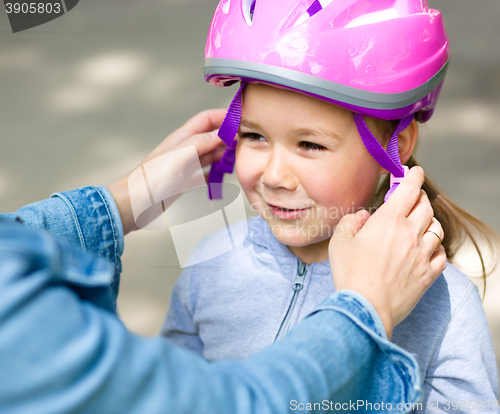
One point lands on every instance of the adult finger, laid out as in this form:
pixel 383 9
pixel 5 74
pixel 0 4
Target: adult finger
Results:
pixel 212 156
pixel 204 143
pixel 203 122
pixel 422 213
pixel 350 224
pixel 406 194
pixel 209 148
pixel 438 263
pixel 433 236
pixel 438 226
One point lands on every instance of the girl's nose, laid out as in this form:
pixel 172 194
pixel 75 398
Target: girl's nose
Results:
pixel 278 171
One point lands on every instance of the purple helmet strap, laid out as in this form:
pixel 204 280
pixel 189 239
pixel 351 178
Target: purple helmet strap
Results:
pixel 227 132
pixel 390 159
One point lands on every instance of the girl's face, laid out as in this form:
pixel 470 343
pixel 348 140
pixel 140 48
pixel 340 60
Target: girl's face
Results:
pixel 302 166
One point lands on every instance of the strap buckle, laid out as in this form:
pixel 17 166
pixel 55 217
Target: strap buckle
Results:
pixel 397 180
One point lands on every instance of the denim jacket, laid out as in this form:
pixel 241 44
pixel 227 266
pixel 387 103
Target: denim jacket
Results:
pixel 63 349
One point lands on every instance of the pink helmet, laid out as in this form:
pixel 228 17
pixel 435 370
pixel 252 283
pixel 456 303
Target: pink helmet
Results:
pixel 382 58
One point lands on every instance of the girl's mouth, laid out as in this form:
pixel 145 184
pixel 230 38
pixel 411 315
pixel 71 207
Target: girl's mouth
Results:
pixel 286 213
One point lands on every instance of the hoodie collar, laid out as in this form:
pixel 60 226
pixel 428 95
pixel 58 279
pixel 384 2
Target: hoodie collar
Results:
pixel 260 233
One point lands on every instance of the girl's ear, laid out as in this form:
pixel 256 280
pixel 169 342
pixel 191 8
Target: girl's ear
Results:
pixel 407 140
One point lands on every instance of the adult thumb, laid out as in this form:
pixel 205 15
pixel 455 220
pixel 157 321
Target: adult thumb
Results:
pixel 205 142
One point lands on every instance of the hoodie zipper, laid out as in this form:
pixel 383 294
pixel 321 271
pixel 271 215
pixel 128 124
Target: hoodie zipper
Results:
pixel 297 286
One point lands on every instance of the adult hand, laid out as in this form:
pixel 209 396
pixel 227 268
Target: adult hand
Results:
pixel 392 257
pixel 200 132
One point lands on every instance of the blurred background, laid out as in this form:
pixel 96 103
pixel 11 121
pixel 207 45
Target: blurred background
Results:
pixel 86 97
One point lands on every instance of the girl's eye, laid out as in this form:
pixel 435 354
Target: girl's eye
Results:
pixel 310 146
pixel 306 145
pixel 252 136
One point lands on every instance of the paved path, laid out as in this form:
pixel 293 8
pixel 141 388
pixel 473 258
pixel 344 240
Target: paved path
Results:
pixel 86 96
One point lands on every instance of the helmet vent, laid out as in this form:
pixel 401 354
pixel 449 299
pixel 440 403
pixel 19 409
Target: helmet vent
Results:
pixel 248 7
pixel 315 7
pixel 252 8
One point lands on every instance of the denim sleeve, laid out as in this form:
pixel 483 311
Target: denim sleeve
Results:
pixel 86 217
pixel 62 354
pixel 379 386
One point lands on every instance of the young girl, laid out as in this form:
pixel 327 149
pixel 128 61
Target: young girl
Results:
pixel 326 88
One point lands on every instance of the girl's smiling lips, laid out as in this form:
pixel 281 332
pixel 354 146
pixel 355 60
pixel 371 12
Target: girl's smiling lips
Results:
pixel 286 213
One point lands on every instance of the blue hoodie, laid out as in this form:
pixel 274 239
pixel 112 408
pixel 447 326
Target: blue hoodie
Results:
pixel 236 304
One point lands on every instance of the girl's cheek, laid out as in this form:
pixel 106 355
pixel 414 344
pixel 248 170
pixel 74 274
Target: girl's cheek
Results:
pixel 245 169
pixel 318 183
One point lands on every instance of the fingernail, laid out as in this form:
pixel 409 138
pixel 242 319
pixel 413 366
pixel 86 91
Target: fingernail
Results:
pixel 420 169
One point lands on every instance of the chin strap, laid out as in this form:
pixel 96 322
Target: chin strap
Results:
pixel 227 133
pixel 390 159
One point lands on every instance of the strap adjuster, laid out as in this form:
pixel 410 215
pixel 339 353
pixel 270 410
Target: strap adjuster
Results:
pixel 397 180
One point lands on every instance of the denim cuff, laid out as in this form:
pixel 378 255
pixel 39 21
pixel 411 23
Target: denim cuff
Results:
pixel 357 308
pixel 97 222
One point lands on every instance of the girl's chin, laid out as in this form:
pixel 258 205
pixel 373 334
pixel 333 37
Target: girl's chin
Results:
pixel 297 237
